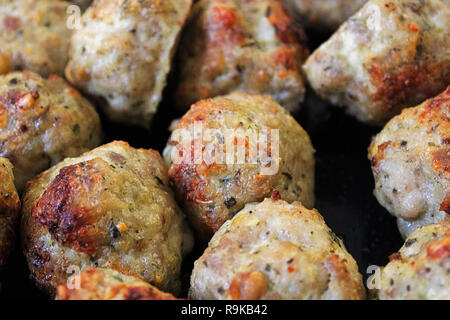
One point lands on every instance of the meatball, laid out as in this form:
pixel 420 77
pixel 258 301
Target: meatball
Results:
pixel 247 45
pixel 42 121
pixel 9 209
pixel 276 250
pixel 323 15
pixel 375 72
pixel 420 270
pixel 34 36
pixel 107 284
pixel 113 208
pixel 213 189
pixel 122 53
pixel 411 164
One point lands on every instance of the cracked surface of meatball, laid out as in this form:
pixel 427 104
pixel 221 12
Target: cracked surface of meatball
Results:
pixel 411 164
pixel 122 54
pixel 421 269
pixel 43 121
pixel 276 250
pixel 252 46
pixel 278 155
pixel 323 15
pixel 108 284
pixel 34 36
pixel 374 72
pixel 9 209
pixel 112 208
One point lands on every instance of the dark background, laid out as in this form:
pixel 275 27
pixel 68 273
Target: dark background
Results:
pixel 344 186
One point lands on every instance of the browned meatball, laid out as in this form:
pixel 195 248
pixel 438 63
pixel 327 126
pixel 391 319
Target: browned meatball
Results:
pixel 107 284
pixel 388 56
pixel 34 36
pixel 9 209
pixel 322 15
pixel 421 269
pixel 123 52
pixel 276 250
pixel 411 164
pixel 113 208
pixel 43 121
pixel 247 45
pixel 213 191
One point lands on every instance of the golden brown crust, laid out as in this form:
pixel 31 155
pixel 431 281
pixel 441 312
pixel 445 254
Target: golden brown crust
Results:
pixel 251 46
pixel 410 161
pixel 375 73
pixel 9 209
pixel 107 284
pixel 276 250
pixel 420 270
pixel 111 207
pixel 43 121
pixel 212 193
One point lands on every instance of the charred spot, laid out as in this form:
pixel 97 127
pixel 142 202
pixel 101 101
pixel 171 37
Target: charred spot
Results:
pixel 63 210
pixel 13 81
pixel 113 231
pixel 230 202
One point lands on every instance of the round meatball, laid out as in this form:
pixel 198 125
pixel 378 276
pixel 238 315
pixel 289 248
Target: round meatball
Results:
pixel 113 208
pixel 107 284
pixel 9 209
pixel 411 164
pixel 42 121
pixel 375 72
pixel 122 53
pixel 247 45
pixel 421 269
pixel 323 15
pixel 34 36
pixel 257 147
pixel 276 250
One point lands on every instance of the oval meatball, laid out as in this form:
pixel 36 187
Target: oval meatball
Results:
pixel 9 209
pixel 411 164
pixel 113 208
pixel 252 46
pixel 43 121
pixel 420 270
pixel 276 250
pixel 122 53
pixel 107 284
pixel 252 146
pixel 374 72
pixel 34 36
pixel 323 15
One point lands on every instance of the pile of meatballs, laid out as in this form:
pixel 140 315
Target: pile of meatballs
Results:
pixel 122 219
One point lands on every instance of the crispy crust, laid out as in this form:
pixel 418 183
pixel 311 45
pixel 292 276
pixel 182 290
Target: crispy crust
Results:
pixel 9 209
pixel 212 193
pixel 123 53
pixel 410 161
pixel 43 121
pixel 420 270
pixel 252 46
pixel 375 73
pixel 107 284
pixel 276 250
pixel 113 208
pixel 34 36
